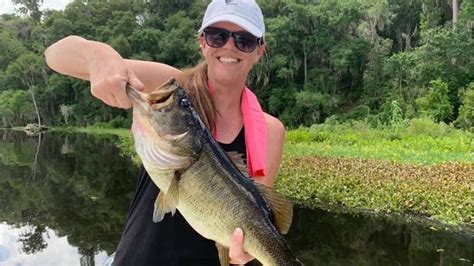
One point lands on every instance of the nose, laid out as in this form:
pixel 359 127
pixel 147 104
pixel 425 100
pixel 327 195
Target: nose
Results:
pixel 230 44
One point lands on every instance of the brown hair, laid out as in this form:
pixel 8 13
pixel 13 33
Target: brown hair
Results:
pixel 194 81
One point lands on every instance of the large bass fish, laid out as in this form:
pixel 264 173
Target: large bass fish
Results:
pixel 199 179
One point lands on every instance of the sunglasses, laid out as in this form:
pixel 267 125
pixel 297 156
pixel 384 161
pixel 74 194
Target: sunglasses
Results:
pixel 244 41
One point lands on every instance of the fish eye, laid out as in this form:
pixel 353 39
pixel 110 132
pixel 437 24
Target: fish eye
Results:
pixel 184 103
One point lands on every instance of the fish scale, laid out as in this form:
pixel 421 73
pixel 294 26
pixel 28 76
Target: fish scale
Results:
pixel 220 225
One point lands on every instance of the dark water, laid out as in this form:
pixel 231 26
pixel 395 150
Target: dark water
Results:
pixel 65 202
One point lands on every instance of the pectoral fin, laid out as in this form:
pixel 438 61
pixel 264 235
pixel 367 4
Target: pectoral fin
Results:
pixel 223 254
pixel 281 207
pixel 166 202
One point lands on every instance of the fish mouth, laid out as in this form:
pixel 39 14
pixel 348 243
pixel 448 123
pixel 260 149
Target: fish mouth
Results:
pixel 159 99
pixel 138 98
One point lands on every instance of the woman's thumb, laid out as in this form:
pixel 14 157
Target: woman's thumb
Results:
pixel 135 82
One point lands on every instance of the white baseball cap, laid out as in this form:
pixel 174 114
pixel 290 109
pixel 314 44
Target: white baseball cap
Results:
pixel 245 13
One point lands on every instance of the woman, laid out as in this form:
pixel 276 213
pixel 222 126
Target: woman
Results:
pixel 231 41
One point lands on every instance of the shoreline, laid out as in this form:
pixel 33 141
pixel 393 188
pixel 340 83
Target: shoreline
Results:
pixel 291 180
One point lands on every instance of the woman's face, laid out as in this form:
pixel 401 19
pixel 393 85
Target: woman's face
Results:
pixel 228 63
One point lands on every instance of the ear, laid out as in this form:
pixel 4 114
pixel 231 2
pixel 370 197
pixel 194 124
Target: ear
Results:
pixel 202 42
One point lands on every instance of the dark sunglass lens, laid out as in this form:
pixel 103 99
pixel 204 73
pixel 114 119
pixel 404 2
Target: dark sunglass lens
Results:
pixel 246 42
pixel 216 37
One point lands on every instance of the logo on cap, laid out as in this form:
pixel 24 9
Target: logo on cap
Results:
pixel 231 1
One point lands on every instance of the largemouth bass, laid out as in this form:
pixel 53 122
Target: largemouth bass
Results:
pixel 198 178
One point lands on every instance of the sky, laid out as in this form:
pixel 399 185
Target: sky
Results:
pixel 6 6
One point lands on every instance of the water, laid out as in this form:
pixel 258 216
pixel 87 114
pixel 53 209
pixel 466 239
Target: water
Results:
pixel 64 202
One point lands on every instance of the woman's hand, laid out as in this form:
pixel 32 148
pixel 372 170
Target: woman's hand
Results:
pixel 109 76
pixel 237 254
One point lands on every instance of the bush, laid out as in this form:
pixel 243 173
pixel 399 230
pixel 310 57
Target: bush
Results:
pixel 436 103
pixel 358 113
pixel 120 122
pixel 426 126
pixel 117 122
pixel 298 135
pixel 465 119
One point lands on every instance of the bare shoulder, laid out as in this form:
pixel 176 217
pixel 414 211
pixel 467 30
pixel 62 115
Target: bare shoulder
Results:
pixel 276 129
pixel 275 140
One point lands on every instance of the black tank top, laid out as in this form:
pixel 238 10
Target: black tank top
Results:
pixel 170 242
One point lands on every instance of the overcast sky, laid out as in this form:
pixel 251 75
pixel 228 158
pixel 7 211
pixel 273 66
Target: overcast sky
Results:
pixel 6 6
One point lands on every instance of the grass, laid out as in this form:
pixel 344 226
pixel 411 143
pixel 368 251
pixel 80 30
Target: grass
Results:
pixel 425 169
pixel 403 146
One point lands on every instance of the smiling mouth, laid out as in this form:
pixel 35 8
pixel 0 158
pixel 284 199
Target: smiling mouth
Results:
pixel 231 60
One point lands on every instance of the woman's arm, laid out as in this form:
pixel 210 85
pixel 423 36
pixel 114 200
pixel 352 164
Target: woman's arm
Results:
pixel 107 71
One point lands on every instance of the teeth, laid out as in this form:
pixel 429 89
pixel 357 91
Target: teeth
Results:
pixel 228 60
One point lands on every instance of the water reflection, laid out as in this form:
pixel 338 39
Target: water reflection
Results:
pixel 57 252
pixel 323 238
pixel 79 187
pixel 67 202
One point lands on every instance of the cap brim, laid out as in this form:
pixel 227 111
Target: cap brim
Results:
pixel 243 23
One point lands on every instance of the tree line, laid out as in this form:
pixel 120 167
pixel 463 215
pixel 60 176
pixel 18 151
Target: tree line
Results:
pixel 326 59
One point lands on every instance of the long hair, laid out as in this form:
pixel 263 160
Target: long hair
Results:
pixel 194 81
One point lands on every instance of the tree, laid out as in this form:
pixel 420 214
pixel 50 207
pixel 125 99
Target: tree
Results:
pixel 456 7
pixel 10 47
pixel 15 107
pixel 436 103
pixel 466 111
pixel 66 111
pixel 59 28
pixel 30 8
pixel 30 70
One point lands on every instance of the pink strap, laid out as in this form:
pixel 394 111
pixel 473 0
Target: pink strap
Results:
pixel 255 132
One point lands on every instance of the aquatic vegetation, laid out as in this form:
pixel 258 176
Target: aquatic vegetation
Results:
pixel 443 192
pixel 422 168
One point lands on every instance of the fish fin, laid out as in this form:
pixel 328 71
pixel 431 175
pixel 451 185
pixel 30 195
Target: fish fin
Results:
pixel 161 208
pixel 223 252
pixel 164 178
pixel 166 202
pixel 282 208
pixel 239 162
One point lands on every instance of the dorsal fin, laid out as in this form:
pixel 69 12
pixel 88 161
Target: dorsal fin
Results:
pixel 281 207
pixel 239 162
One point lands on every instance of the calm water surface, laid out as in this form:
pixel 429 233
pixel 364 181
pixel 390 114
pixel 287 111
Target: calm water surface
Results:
pixel 64 202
